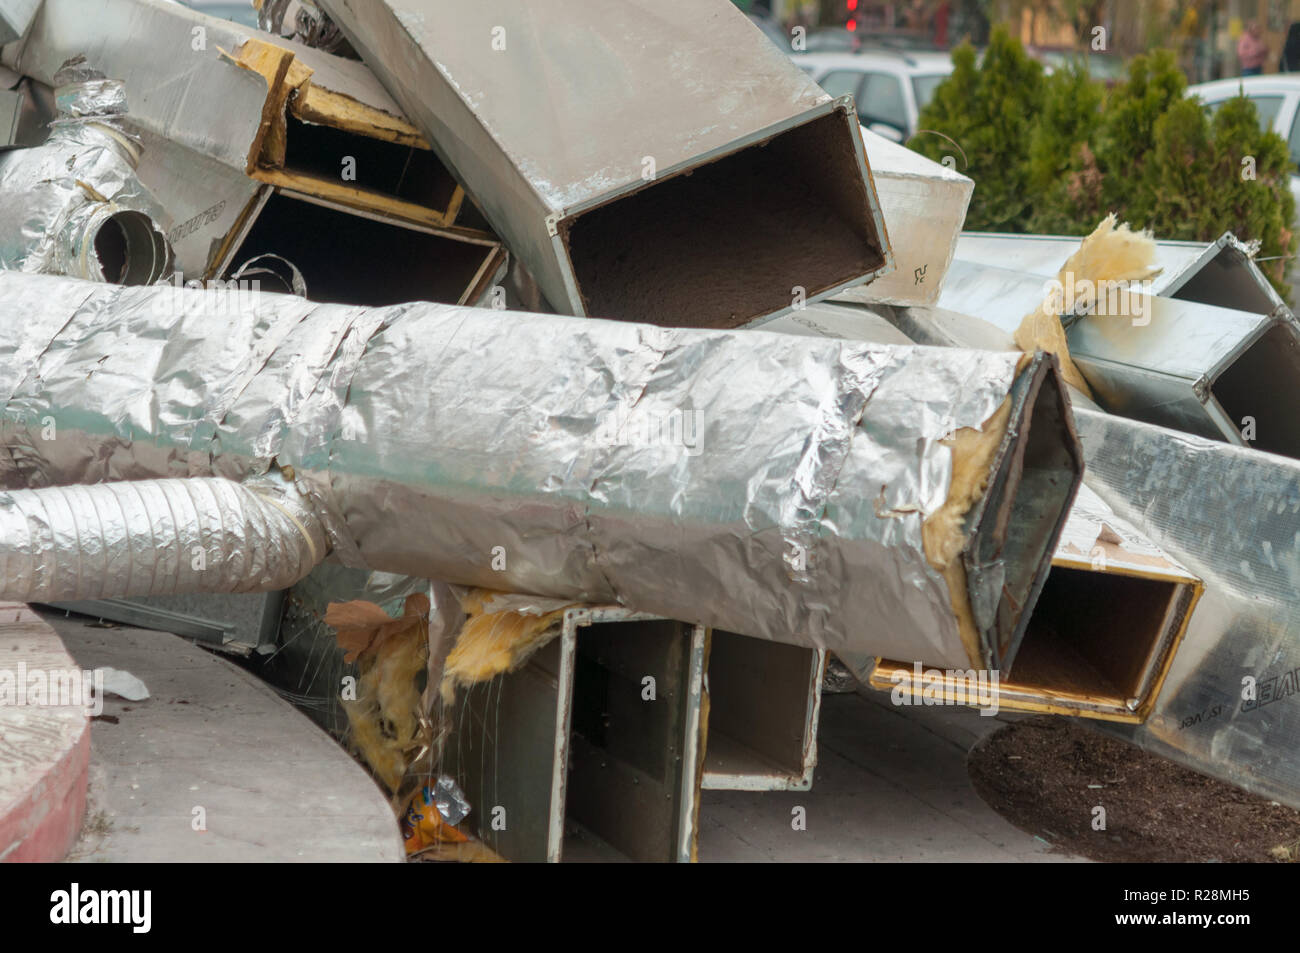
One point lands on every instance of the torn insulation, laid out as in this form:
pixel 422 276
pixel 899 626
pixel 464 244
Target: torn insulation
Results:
pixel 1108 254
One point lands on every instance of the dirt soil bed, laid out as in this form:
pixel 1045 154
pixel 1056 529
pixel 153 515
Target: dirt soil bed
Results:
pixel 1041 775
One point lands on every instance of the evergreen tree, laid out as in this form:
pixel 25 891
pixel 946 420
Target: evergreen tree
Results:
pixel 988 111
pixel 1055 155
pixel 1064 179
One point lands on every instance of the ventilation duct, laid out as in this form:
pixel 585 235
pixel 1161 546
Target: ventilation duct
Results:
pixel 763 484
pixel 74 205
pixel 153 538
pixel 699 194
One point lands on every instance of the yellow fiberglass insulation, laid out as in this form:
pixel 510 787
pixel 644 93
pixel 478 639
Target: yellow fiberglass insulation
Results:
pixel 388 728
pixel 1109 254
pixel 943 532
pixel 500 633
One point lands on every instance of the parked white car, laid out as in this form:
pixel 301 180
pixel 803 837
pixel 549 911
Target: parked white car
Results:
pixel 1277 100
pixel 890 88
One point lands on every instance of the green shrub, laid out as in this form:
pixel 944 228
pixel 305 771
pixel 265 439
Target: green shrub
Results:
pixel 1054 155
pixel 989 112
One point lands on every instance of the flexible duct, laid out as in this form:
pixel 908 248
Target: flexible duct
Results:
pixel 74 206
pixel 155 537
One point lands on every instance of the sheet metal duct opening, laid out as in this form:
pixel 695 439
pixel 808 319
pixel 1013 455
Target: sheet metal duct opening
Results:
pixel 1094 636
pixel 1099 641
pixel 1034 477
pixel 348 257
pixel 382 167
pixel 713 247
pixel 580 762
pixel 634 753
pixel 1262 381
pixel 1098 645
pixel 764 705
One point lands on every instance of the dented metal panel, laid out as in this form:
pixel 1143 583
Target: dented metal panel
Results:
pixel 592 158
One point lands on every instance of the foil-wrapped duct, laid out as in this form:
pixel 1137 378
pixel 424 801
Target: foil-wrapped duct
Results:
pixel 74 205
pixel 764 484
pixel 1229 706
pixel 155 537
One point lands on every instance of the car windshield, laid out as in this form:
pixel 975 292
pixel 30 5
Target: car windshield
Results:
pixel 924 87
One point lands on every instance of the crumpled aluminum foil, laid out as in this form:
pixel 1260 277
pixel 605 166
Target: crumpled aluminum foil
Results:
pixel 761 483
pixel 154 537
pixel 56 198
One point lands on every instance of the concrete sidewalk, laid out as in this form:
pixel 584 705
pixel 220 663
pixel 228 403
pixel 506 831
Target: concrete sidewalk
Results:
pixel 44 741
pixel 215 766
pixel 891 785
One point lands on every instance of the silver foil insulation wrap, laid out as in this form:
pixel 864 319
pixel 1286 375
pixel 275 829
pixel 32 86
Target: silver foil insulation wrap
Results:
pixel 154 537
pixel 761 483
pixel 74 205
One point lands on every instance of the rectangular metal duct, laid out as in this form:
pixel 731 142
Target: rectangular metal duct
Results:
pixel 1103 632
pixel 1221 273
pixel 764 705
pixel 223 218
pixel 648 161
pixel 352 257
pixel 1102 636
pixel 1230 707
pixel 924 204
pixel 15 17
pixel 1230 704
pixel 1195 367
pixel 572 757
pixel 281 112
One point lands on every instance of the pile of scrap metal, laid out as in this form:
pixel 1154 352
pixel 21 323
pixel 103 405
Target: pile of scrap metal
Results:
pixel 624 490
